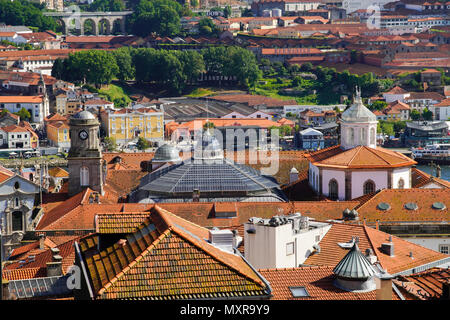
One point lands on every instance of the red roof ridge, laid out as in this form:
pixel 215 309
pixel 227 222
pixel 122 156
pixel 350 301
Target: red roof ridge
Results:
pixel 378 156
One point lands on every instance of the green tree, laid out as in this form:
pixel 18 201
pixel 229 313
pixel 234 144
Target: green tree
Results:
pixel 23 12
pixel 415 115
pixel 193 64
pixel 306 67
pixel 92 66
pixel 107 5
pixel 110 143
pixel 427 114
pixel 159 16
pixel 227 11
pixel 24 114
pixel 378 105
pixel 124 63
pixel 142 144
pixel 399 126
pixel 207 27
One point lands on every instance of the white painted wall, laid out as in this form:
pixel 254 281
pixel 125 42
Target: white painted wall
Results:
pixel 327 175
pixel 401 173
pixel 394 97
pixel 267 247
pixel 430 243
pixel 359 177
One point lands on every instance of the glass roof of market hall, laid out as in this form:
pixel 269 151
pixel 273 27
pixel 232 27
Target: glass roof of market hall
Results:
pixel 216 179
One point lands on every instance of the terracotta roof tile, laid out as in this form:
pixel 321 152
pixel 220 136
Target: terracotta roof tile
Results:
pixel 317 280
pixel 167 258
pixel 426 285
pixel 359 157
pixel 397 198
pixel 24 273
pixel 331 253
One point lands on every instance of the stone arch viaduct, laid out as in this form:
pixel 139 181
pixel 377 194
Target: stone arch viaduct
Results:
pixel 101 22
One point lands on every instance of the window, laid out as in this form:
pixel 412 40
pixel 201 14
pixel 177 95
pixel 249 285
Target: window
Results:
pixel 289 248
pixel 17 221
pixel 352 136
pixel 401 183
pixel 369 187
pixel 372 136
pixel 333 189
pixel 363 135
pixel 84 176
pixel 298 292
pixel 444 248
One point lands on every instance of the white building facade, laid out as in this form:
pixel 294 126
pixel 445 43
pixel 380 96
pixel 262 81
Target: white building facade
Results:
pixel 357 166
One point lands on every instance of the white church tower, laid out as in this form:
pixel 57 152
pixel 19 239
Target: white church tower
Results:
pixel 358 126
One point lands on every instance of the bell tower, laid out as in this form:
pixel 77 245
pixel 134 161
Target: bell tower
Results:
pixel 358 125
pixel 85 156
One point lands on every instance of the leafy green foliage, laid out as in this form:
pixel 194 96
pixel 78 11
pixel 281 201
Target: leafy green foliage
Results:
pixel 92 66
pixel 159 16
pixel 23 12
pixel 24 114
pixel 142 144
pixel 110 143
pixel 107 5
pixel 378 105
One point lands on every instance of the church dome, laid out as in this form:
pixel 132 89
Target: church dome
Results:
pixel 166 153
pixel 358 112
pixel 84 115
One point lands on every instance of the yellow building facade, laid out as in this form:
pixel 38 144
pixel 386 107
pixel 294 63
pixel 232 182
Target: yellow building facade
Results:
pixel 126 125
pixel 58 135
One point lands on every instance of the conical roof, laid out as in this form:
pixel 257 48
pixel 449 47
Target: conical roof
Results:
pixel 358 112
pixel 354 265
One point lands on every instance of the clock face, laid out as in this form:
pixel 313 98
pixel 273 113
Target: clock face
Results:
pixel 83 135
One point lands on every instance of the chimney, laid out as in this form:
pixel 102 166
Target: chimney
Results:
pixel 42 242
pixel 54 268
pixel 384 286
pixel 195 195
pixel 5 290
pixel 388 248
pixel 293 175
pixel 222 239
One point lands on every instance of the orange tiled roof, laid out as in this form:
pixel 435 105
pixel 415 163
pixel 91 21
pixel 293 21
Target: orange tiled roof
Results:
pixel 359 157
pixel 21 99
pixel 167 258
pixel 397 198
pixel 331 253
pixel 421 179
pixel 58 172
pixel 426 285
pixel 317 280
pixel 24 273
pixel 397 90
pixel 66 251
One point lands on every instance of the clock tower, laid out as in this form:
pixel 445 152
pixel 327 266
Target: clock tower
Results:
pixel 85 156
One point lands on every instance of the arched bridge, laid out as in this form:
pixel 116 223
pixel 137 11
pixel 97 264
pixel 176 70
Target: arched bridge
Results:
pixel 91 22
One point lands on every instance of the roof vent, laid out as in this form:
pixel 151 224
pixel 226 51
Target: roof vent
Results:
pixel 411 206
pixel 222 239
pixel 388 248
pixel 438 206
pixel 383 206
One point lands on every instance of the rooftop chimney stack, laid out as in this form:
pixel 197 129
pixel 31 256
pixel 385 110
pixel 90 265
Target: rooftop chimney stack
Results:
pixel 388 248
pixel 196 195
pixel 42 242
pixel 384 286
pixel 54 268
pixel 223 239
